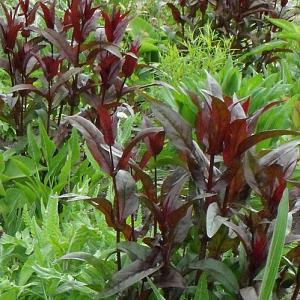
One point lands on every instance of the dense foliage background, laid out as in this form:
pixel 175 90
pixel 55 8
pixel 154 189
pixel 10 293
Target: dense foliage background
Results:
pixel 149 149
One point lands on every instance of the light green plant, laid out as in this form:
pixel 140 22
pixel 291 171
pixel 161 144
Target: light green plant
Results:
pixel 205 50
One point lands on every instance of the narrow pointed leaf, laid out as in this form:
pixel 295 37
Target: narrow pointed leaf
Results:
pixel 127 277
pixel 94 140
pixel 202 291
pixel 220 272
pixel 176 128
pixel 276 248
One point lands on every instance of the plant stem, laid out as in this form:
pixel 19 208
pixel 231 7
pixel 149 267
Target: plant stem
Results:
pixel 49 106
pixel 182 23
pixel 116 204
pixel 205 239
pixel 210 173
pixel 60 113
pixel 156 196
pixel 297 287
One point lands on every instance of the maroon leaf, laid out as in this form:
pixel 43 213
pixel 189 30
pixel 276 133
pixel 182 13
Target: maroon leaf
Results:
pixel 177 129
pixel 128 276
pixel 94 140
pixel 212 123
pixel 259 250
pixel 60 42
pixel 106 123
pixel 148 186
pixel 126 195
pixel 106 208
pixel 256 138
pixel 253 119
pixel 268 181
pixel 154 142
pixel 131 58
pixel 140 136
pixel 175 13
pixel 171 188
pixel 9 30
pixel 32 14
pixel 285 155
pixel 63 78
pixel 50 66
pixel 26 87
pixel 115 25
pixel 242 234
pixel 203 5
pixel 234 136
pixel 49 14
pixel 170 278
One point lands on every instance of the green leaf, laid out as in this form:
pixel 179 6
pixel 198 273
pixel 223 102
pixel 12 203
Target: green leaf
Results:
pixel 276 248
pixel 220 272
pixel 155 290
pixel 202 291
pixel 270 46
pixel 26 271
pixel 140 27
pixel 48 147
pixel 86 257
pixel 284 24
pixel 33 148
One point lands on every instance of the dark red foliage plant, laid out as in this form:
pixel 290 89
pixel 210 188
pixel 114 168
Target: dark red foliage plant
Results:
pixel 202 208
pixel 211 209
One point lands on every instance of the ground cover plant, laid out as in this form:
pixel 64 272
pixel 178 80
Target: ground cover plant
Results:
pixel 126 176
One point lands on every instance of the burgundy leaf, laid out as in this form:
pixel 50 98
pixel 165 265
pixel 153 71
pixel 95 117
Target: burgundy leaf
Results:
pixel 285 155
pixel 140 136
pixel 60 42
pixel 115 25
pixel 236 133
pixel 128 276
pixel 256 138
pixel 32 14
pixel 24 4
pixel 242 234
pixel 175 13
pixel 131 58
pixel 171 188
pixel 50 66
pixel 126 195
pixel 212 123
pixel 63 78
pixel 203 5
pixel 106 123
pixel 49 14
pixel 106 208
pixel 154 142
pixel 177 129
pixel 253 119
pixel 26 87
pixel 170 278
pixel 94 140
pixel 259 250
pixel 148 186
